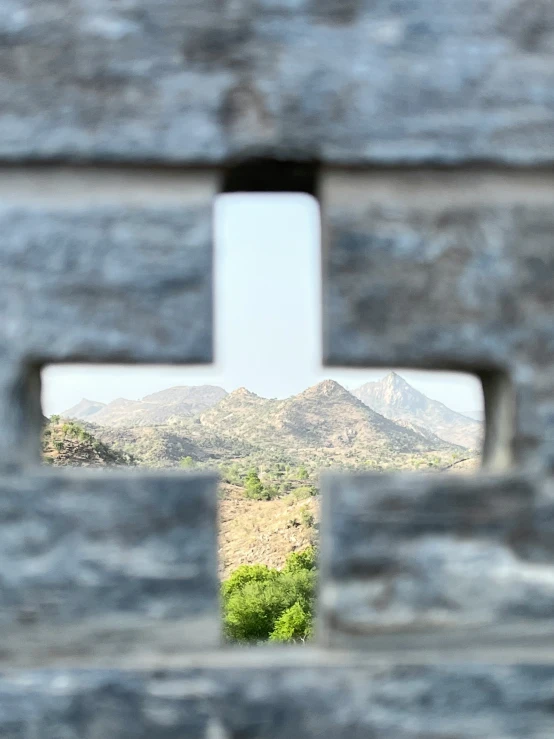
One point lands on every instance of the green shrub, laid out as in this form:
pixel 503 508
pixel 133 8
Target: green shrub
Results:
pixel 305 560
pixel 261 603
pixel 294 624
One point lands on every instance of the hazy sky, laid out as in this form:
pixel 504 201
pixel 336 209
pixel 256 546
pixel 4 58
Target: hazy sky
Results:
pixel 267 319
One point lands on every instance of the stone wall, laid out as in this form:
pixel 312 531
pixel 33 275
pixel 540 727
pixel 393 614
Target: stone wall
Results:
pixel 426 129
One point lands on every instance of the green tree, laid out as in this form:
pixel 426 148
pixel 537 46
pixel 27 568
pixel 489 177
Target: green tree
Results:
pixel 254 487
pixel 186 462
pixel 302 473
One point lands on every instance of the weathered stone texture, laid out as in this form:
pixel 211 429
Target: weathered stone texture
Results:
pixel 428 560
pixel 115 274
pixel 350 82
pixel 445 587
pixel 268 701
pixel 106 565
pixel 446 270
pixel 99 267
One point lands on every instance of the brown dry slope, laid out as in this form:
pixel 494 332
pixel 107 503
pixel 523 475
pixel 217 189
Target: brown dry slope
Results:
pixel 263 532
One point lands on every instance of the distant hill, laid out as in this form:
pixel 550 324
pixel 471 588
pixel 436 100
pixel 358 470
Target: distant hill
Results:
pixel 84 409
pixel 158 408
pixel 395 399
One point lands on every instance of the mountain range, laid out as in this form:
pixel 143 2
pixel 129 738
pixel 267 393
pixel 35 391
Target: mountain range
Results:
pixel 383 425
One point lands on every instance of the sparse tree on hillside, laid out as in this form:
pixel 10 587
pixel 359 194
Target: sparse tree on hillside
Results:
pixel 254 487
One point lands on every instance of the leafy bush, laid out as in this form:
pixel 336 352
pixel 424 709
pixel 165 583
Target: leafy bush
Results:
pixel 261 603
pixel 294 624
pixel 305 560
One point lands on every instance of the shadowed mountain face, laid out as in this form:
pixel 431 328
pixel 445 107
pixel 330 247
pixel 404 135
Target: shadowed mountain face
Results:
pixel 395 399
pixel 152 410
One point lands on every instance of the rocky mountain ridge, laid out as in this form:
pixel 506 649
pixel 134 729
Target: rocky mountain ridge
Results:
pixel 397 400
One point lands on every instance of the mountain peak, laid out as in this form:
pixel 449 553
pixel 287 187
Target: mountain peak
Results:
pixel 396 381
pixel 397 400
pixel 84 409
pixel 327 388
pixel 243 392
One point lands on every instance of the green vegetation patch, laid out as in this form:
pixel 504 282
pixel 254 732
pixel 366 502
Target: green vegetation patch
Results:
pixel 265 604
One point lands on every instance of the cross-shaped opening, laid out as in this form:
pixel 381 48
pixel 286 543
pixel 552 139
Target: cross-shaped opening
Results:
pixel 267 415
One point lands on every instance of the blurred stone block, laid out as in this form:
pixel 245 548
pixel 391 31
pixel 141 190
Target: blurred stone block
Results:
pixel 306 696
pixel 447 270
pixel 427 561
pixel 349 82
pixel 107 566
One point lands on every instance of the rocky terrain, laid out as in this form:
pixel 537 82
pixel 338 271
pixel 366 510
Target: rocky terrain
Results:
pixel 68 444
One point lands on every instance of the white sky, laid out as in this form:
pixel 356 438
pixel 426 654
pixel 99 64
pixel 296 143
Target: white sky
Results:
pixel 268 334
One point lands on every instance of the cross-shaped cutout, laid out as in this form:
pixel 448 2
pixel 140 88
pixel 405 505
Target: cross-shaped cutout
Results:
pixel 127 325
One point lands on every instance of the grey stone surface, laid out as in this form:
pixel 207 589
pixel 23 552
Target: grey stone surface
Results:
pixel 114 271
pixel 446 270
pixel 268 701
pixel 447 585
pixel 428 560
pixel 106 565
pixel 351 82
pixel 98 267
